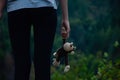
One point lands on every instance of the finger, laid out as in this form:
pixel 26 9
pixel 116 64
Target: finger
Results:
pixel 65 27
pixel 67 36
pixel 68 29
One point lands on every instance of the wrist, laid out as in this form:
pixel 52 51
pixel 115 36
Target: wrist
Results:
pixel 65 20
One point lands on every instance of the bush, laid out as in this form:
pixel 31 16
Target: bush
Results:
pixel 88 67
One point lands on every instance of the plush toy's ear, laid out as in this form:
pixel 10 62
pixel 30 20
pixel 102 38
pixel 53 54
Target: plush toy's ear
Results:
pixel 71 43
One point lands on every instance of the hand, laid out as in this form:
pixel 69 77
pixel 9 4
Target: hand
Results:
pixel 65 29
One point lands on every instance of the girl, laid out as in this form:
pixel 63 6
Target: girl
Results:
pixel 42 15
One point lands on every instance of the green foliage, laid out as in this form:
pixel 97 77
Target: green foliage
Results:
pixel 88 67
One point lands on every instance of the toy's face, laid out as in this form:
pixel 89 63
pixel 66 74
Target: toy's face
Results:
pixel 68 46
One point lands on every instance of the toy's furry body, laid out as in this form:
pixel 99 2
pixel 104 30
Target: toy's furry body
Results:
pixel 63 53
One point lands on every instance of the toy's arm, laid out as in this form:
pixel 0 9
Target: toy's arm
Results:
pixel 58 58
pixel 59 54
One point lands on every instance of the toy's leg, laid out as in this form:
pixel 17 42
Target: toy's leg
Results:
pixel 56 63
pixel 66 58
pixel 56 60
pixel 67 66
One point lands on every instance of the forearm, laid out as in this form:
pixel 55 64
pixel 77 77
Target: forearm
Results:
pixel 65 20
pixel 64 8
